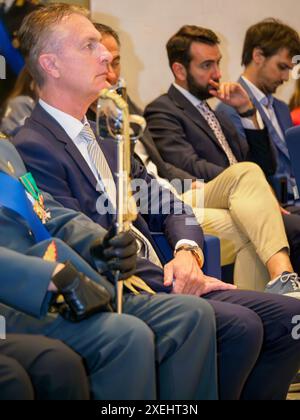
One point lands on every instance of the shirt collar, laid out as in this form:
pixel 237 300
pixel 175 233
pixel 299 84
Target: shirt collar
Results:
pixel 71 125
pixel 195 101
pixel 262 98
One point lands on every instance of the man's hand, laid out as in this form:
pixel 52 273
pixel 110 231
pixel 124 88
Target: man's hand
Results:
pixel 232 94
pixel 214 285
pixel 284 211
pixel 118 252
pixel 188 278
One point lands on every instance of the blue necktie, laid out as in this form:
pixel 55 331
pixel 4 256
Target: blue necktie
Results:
pixel 13 197
pixel 268 102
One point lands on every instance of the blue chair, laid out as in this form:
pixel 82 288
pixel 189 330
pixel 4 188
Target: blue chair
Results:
pixel 212 253
pixel 293 143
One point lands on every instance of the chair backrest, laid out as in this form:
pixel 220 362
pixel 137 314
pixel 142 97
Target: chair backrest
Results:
pixel 293 143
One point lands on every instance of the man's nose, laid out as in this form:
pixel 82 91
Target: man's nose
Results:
pixel 217 74
pixel 105 56
pixel 286 76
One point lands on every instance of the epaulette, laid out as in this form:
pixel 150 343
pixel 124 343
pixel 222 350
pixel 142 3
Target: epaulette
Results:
pixel 3 136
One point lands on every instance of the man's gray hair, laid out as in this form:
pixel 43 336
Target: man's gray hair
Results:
pixel 37 30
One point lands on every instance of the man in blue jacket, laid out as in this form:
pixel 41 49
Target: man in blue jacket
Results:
pixel 268 52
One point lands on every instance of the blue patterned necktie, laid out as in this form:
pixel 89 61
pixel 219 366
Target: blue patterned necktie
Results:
pixel 99 161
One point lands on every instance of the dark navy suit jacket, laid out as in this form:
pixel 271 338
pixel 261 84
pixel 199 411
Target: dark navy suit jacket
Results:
pixel 185 140
pixel 59 169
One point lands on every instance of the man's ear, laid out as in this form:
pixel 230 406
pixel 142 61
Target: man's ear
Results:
pixel 258 56
pixel 48 63
pixel 179 71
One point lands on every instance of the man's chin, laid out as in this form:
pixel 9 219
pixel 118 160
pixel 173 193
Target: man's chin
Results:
pixel 94 95
pixel 271 90
pixel 278 86
pixel 101 81
pixel 209 96
pixel 205 97
pixel 202 96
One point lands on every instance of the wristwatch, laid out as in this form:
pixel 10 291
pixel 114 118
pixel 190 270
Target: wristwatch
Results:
pixel 195 250
pixel 250 113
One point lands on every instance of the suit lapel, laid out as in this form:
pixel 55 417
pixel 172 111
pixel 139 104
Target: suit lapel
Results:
pixel 78 159
pixel 283 116
pixel 42 117
pixel 192 113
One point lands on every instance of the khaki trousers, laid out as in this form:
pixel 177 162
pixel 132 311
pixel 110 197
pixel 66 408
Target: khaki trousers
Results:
pixel 241 210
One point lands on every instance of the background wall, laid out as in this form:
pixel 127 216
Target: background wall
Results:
pixel 145 26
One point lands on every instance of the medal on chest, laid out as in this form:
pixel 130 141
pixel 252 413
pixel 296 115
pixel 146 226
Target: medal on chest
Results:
pixel 38 206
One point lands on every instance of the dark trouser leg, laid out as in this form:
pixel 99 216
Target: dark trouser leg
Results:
pixel 279 358
pixel 15 384
pixel 119 354
pixel 240 335
pixel 185 338
pixel 55 371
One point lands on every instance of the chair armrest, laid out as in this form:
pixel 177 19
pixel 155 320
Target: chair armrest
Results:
pixel 212 254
